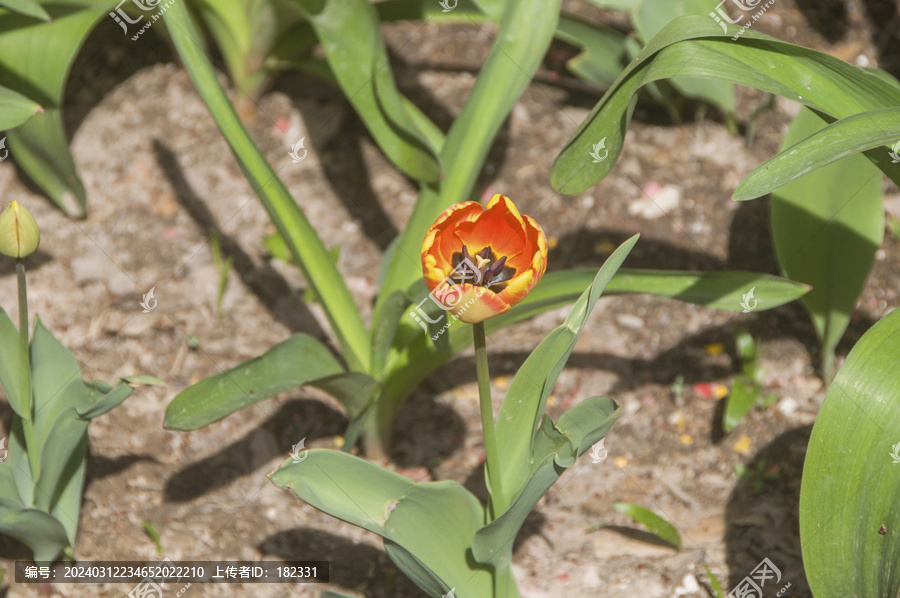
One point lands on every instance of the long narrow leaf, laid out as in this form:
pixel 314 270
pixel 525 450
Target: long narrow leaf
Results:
pixel 526 30
pixel 351 37
pixel 306 247
pixel 696 46
pixel 15 109
pixel 842 138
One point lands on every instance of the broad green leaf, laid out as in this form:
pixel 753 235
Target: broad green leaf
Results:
pixel 307 249
pixel 299 360
pixel 15 110
pixel 357 393
pixel 43 534
pixel 523 407
pixel 603 53
pixel 67 431
pixel 826 228
pixel 11 367
pixel 850 489
pixel 143 380
pixel 66 506
pixel 35 59
pixel 827 84
pixel 863 132
pixel 351 38
pixel 526 29
pixel 652 16
pixel 555 449
pixel 433 521
pixel 28 8
pixel 661 528
pixel 617 4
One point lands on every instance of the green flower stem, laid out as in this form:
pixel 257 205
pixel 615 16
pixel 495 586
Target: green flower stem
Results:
pixel 497 503
pixel 27 424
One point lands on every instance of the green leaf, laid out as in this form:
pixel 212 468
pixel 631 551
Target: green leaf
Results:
pixel 432 521
pixel 658 526
pixel 820 81
pixel 29 8
pixel 744 393
pixel 848 136
pixel 555 449
pixel 523 407
pixel 245 32
pixel 351 38
pixel 15 110
pixel 108 401
pixel 652 16
pixel 603 53
pixel 385 329
pixel 11 367
pixel 43 534
pixel 306 247
pixel 525 32
pixel 299 360
pixel 357 393
pixel 35 59
pixel 850 485
pixel 143 380
pixel 826 229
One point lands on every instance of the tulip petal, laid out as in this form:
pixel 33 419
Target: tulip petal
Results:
pixel 477 304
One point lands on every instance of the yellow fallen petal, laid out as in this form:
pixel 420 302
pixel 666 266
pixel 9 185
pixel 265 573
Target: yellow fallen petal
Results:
pixel 552 242
pixel 502 382
pixel 686 439
pixel 742 445
pixel 719 390
pixel 714 349
pixel 620 462
pixel 339 441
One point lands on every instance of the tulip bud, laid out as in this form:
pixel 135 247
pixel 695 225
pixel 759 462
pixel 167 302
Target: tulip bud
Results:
pixel 19 234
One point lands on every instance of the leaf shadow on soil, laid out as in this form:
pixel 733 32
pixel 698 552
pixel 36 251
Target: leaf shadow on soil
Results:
pixel 363 568
pixel 884 18
pixel 298 419
pixel 263 281
pixel 762 517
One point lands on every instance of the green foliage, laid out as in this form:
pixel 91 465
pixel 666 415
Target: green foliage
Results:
pixel 154 536
pixel 826 227
pixel 42 480
pixel 746 391
pixel 695 46
pixel 438 533
pixel 35 60
pixel 849 519
pixel 658 526
pixel 223 267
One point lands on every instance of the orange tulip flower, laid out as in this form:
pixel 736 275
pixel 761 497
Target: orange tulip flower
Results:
pixel 480 261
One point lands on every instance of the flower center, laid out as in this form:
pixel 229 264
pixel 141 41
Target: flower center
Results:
pixel 482 270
